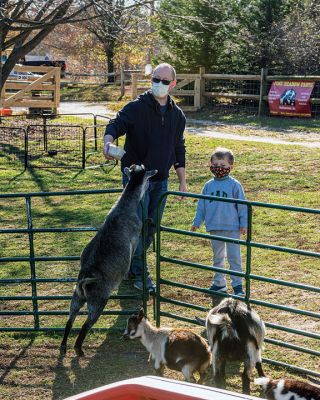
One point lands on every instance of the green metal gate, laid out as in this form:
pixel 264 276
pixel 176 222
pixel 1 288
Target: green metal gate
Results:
pixel 18 301
pixel 21 305
pixel 248 276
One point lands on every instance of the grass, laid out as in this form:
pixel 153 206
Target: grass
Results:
pixel 96 93
pixel 249 124
pixel 30 365
pixel 270 125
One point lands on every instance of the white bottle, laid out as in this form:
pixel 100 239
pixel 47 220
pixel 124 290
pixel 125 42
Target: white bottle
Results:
pixel 115 151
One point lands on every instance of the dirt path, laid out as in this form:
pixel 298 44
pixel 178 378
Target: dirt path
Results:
pixel 74 107
pixel 212 132
pixel 216 130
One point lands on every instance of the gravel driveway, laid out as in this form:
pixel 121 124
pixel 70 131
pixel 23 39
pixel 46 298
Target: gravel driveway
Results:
pixel 68 107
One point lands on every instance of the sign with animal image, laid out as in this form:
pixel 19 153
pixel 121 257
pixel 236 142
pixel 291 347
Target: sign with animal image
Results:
pixel 291 98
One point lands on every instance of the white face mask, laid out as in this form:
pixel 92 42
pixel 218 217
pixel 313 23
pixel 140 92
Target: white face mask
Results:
pixel 159 89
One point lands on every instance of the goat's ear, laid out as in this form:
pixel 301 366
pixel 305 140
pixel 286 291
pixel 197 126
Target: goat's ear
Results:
pixel 141 314
pixel 127 171
pixel 151 173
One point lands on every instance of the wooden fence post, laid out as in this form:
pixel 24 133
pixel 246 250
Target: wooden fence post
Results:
pixel 122 84
pixel 202 71
pixel 134 86
pixel 56 93
pixel 197 92
pixel 263 89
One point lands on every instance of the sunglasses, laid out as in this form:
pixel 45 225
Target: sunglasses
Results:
pixel 164 81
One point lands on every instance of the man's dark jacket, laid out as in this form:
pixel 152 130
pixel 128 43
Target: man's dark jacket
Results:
pixel 152 138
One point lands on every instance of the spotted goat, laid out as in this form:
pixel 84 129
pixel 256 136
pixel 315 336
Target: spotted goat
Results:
pixel 288 389
pixel 235 333
pixel 178 349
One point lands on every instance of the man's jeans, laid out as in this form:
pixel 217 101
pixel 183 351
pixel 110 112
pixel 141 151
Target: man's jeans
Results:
pixel 233 255
pixel 150 203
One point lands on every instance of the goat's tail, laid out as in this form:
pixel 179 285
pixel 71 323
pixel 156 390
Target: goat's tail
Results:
pixel 223 322
pixel 81 286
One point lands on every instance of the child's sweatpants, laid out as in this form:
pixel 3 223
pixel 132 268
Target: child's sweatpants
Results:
pixel 233 252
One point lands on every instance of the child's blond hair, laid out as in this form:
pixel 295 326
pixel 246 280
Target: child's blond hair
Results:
pixel 222 152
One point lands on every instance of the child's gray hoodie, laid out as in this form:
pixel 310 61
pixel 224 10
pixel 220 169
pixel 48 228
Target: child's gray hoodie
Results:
pixel 219 215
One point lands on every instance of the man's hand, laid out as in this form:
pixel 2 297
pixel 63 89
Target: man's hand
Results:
pixel 182 188
pixel 181 173
pixel 107 140
pixel 243 231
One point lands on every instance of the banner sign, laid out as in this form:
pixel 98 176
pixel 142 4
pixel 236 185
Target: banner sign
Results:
pixel 290 98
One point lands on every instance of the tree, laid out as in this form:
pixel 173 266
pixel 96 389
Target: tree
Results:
pixel 75 44
pixel 298 41
pixel 198 32
pixel 121 24
pixel 25 23
pixel 258 36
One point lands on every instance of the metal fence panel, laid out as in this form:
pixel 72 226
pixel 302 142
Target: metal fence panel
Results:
pixel 168 287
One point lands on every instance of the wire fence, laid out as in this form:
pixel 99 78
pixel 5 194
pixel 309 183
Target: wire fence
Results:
pixel 52 141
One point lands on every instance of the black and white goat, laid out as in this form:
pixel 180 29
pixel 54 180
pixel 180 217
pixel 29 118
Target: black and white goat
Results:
pixel 235 333
pixel 106 259
pixel 288 389
pixel 178 349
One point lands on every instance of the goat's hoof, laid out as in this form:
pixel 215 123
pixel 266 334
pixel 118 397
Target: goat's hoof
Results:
pixel 79 352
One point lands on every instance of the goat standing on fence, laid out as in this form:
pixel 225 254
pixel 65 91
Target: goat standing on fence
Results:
pixel 107 257
pixel 235 333
pixel 288 389
pixel 180 349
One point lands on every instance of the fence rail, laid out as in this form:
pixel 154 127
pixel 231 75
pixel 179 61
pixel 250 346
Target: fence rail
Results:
pixel 34 280
pixel 226 91
pixel 162 297
pixel 248 276
pixel 52 141
pixel 35 91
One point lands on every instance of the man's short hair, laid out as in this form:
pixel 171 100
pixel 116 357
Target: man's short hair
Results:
pixel 222 152
pixel 173 71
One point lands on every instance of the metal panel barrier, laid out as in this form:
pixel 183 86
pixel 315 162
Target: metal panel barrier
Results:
pixel 53 141
pixel 29 304
pixel 13 147
pixel 25 273
pixel 165 285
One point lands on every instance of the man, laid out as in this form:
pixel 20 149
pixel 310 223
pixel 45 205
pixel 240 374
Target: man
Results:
pixel 154 127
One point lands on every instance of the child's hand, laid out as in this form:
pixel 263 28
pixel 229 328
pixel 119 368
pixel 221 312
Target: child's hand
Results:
pixel 194 228
pixel 243 231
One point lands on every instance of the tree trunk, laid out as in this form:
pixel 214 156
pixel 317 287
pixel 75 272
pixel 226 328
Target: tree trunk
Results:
pixel 110 62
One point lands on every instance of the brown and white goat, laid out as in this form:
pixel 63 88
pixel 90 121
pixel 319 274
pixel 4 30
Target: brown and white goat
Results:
pixel 288 389
pixel 178 349
pixel 235 333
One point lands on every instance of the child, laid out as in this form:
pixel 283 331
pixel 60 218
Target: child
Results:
pixel 223 219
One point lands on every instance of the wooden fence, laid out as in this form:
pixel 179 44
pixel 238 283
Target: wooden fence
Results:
pixel 34 91
pixel 200 89
pixel 226 88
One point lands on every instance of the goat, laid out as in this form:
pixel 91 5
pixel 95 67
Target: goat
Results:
pixel 235 333
pixel 288 389
pixel 106 259
pixel 179 349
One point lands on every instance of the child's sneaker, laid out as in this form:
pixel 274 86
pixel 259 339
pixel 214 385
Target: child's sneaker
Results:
pixel 238 290
pixel 216 288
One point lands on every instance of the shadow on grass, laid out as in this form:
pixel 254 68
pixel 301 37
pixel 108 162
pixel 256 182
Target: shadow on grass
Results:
pixel 114 359
pixel 16 360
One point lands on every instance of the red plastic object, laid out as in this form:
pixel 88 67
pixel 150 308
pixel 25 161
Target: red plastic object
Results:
pixel 155 388
pixel 5 112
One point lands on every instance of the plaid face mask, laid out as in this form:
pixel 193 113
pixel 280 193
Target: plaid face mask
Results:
pixel 220 172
